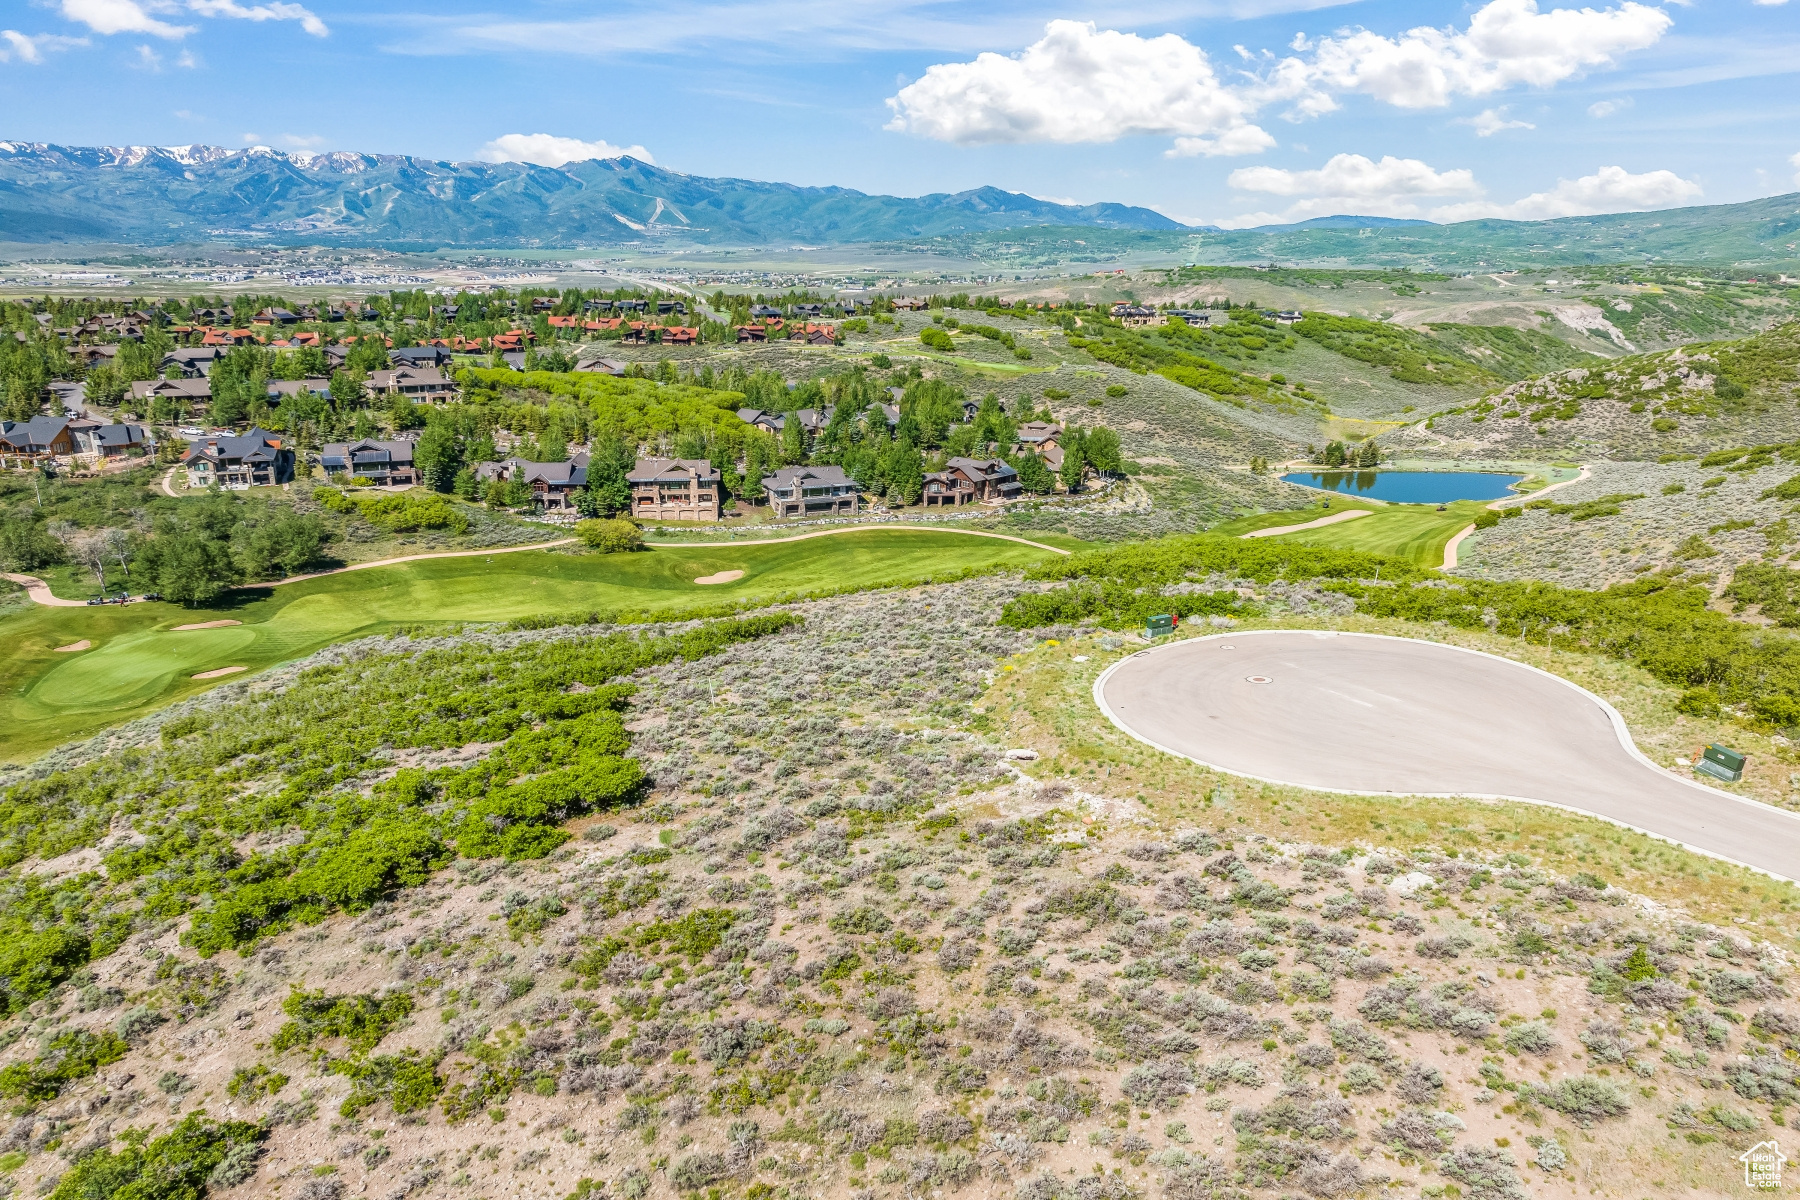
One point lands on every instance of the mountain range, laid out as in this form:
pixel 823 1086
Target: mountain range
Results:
pixel 162 195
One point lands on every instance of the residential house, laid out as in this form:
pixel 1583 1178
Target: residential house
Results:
pixel 1134 317
pixel 1290 317
pixel 514 359
pixel 675 489
pixel 814 335
pixel 385 463
pixel 255 459
pixel 335 357
pixel 92 356
pixel 768 422
pixel 597 305
pixel 1190 317
pixel 426 384
pixel 752 333
pixel 23 443
pixel 197 361
pixel 193 392
pixel 631 305
pixel 1044 440
pixel 564 322
pixel 810 491
pixel 636 334
pixel 910 303
pixel 553 485
pixel 761 311
pixel 281 389
pixel 274 316
pixel 665 307
pixel 419 356
pixel 112 441
pixel 602 366
pixel 970 480
pixel 808 310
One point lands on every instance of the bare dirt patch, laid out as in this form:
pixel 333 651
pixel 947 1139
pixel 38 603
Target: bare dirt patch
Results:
pixel 220 671
pixel 721 577
pixel 206 625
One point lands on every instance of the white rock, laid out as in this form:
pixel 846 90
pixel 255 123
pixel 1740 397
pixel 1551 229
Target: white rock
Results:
pixel 1022 755
pixel 1411 882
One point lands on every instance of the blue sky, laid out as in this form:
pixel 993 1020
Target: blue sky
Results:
pixel 1230 111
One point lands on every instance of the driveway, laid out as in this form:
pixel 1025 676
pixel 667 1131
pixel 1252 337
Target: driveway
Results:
pixel 1369 715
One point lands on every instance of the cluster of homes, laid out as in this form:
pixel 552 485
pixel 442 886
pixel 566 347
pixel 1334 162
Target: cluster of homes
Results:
pixel 68 439
pixel 1136 316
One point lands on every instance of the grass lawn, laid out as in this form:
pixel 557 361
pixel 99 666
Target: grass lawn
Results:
pixel 1296 516
pixel 138 661
pixel 1415 532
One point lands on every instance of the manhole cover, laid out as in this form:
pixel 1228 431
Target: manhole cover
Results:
pixel 1258 679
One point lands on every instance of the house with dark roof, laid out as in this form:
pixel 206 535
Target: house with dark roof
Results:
pixel 602 366
pixel 384 463
pixel 197 361
pixel 419 356
pixel 112 441
pixel 255 459
pixel 970 481
pixel 768 422
pixel 426 384
pixel 23 443
pixel 758 311
pixel 810 491
pixel 192 392
pixel 675 489
pixel 552 484
pixel 752 333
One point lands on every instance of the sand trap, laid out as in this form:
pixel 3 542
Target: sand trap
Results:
pixel 83 644
pixel 207 625
pixel 721 577
pixel 221 670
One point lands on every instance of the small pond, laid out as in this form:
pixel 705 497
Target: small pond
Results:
pixel 1410 487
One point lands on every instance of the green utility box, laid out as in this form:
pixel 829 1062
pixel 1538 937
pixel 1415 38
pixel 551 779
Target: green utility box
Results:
pixel 1721 763
pixel 1161 625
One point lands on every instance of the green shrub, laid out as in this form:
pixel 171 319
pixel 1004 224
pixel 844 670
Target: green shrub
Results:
pixel 864 920
pixel 610 536
pixel 69 1056
pixel 937 339
pixel 183 1164
pixel 361 1020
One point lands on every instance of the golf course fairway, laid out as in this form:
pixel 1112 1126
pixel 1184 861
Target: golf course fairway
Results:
pixel 139 661
pixel 1417 533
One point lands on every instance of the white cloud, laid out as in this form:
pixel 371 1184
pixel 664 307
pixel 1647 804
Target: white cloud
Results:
pixel 259 12
pixel 548 150
pixel 302 141
pixel 122 16
pixel 1507 43
pixel 142 16
pixel 1081 84
pixel 1488 123
pixel 187 59
pixel 1354 177
pixel 1352 184
pixel 1606 108
pixel 1769 3
pixel 1795 163
pixel 29 49
pixel 148 59
pixel 1610 189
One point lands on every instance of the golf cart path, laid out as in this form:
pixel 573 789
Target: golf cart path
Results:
pixel 1372 715
pixel 801 537
pixel 40 591
pixel 1333 519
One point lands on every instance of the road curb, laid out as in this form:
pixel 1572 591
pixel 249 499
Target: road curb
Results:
pixel 1620 730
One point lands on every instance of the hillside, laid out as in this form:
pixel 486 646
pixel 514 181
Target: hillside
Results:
pixel 839 950
pixel 1691 399
pixel 1754 234
pixel 159 195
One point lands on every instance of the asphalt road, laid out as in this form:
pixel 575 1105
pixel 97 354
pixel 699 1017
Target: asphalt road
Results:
pixel 1378 715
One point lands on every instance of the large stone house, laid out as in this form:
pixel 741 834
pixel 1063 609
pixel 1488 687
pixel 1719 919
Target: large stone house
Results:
pixel 384 463
pixel 810 491
pixel 675 489
pixel 971 480
pixel 255 459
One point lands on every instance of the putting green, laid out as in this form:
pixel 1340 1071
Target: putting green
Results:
pixel 139 661
pixel 1415 532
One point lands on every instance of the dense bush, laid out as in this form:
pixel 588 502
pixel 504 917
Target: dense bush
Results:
pixel 609 536
pixel 176 1166
pixel 397 512
pixel 547 702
